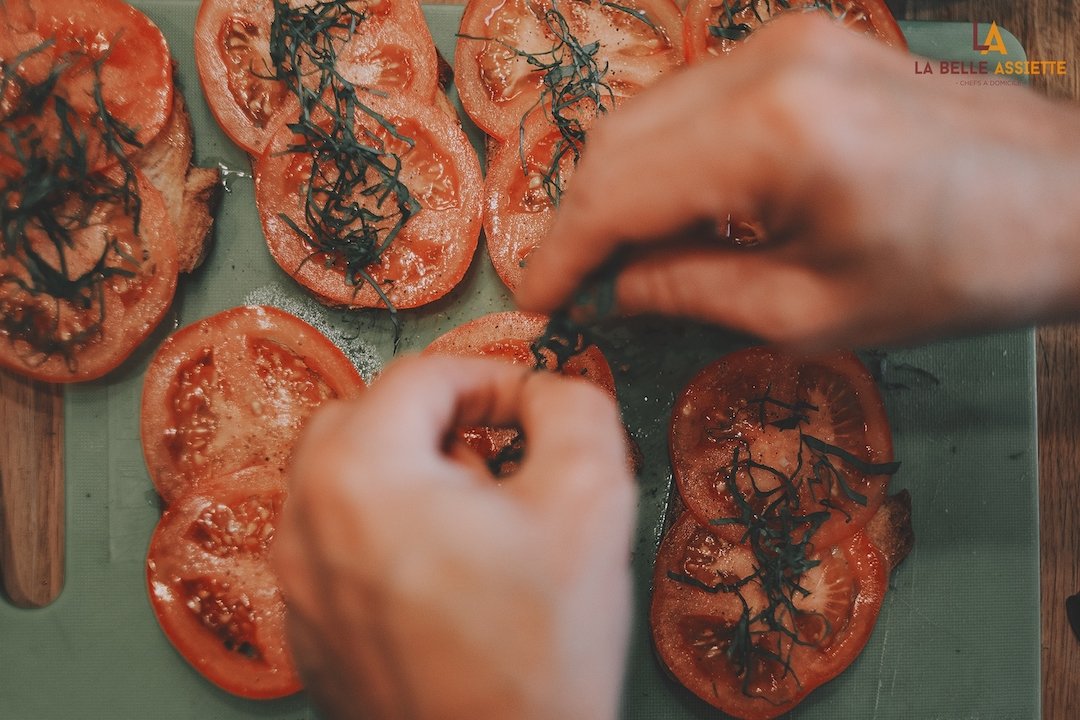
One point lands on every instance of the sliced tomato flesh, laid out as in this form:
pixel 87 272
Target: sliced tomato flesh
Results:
pixel 379 46
pixel 245 49
pixel 641 41
pixel 106 69
pixel 213 590
pixel 509 336
pixel 716 27
pixel 73 312
pixel 755 644
pixel 432 251
pixel 506 47
pixel 233 390
pixel 519 200
pixel 759 432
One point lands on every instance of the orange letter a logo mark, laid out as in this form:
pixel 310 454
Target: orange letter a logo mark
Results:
pixel 993 42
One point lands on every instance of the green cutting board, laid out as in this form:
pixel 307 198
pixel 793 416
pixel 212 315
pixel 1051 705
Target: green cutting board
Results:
pixel 958 636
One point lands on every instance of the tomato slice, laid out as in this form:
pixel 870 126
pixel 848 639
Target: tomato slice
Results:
pixel 391 51
pixel 66 40
pixel 75 314
pixel 715 27
pixel 518 204
pixel 639 40
pixel 233 390
pixel 212 586
pixel 727 633
pixel 807 430
pixel 433 250
pixel 509 336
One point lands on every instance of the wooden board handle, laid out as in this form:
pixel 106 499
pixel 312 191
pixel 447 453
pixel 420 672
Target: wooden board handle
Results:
pixel 31 490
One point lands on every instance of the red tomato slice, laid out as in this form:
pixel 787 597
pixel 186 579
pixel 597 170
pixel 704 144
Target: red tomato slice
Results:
pixel 518 209
pixel 784 419
pixel 639 40
pixel 126 283
pixel 717 640
pixel 509 336
pixel 70 37
pixel 233 390
pixel 433 250
pixel 212 587
pixel 391 51
pixel 734 20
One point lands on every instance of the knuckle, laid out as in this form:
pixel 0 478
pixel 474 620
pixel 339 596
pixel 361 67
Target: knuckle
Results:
pixel 668 292
pixel 816 316
pixel 405 367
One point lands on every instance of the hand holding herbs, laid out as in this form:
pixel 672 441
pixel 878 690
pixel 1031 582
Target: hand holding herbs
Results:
pixel 894 207
pixel 418 587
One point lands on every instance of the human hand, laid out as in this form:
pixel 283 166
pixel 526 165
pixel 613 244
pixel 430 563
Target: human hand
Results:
pixel 417 587
pixel 897 207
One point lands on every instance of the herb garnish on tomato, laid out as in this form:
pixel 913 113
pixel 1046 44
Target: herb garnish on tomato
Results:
pixel 767 587
pixel 715 27
pixel 524 339
pixel 72 229
pixel 305 40
pixel 765 437
pixel 545 72
pixel 779 533
pixel 755 641
pixel 573 87
pixel 514 55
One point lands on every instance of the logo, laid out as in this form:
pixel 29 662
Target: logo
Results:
pixel 993 42
pixel 1009 72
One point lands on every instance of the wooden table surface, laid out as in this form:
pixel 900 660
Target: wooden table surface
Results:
pixel 1048 29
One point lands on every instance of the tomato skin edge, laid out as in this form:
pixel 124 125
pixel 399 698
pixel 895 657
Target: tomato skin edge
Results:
pixel 696 13
pixel 193 642
pixel 333 365
pixel 872 576
pixel 875 417
pixel 329 285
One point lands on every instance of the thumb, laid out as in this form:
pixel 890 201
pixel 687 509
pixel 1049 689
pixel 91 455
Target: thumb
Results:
pixel 575 447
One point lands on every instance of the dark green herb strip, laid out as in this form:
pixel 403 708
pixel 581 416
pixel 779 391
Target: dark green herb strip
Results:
pixel 565 335
pixel 31 96
pixel 567 332
pixel 574 80
pixel 729 28
pixel 633 12
pixel 304 44
pixel 571 79
pixel 780 534
pixel 58 194
pixel 866 468
pixel 883 368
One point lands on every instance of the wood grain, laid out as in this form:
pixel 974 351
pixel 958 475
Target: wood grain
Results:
pixel 31 490
pixel 1048 30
